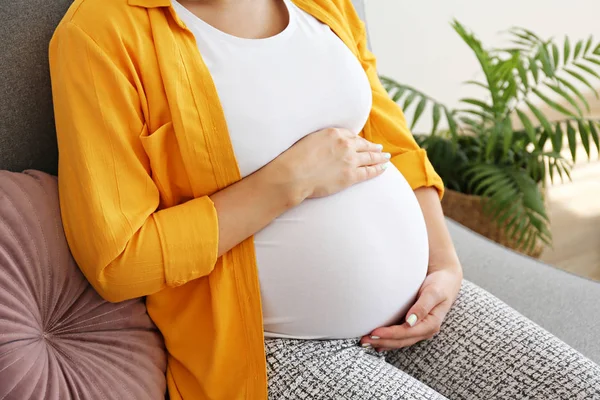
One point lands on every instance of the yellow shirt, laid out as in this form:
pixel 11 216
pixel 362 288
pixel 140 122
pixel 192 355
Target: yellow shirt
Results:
pixel 143 142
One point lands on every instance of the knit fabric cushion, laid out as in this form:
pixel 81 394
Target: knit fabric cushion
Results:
pixel 59 339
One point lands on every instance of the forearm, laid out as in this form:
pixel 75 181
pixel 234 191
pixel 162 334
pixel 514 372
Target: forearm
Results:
pixel 249 205
pixel 441 249
pixel 177 244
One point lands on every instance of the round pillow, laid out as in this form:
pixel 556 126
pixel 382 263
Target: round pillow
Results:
pixel 59 339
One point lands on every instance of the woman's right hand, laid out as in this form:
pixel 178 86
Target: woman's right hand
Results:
pixel 330 160
pixel 320 164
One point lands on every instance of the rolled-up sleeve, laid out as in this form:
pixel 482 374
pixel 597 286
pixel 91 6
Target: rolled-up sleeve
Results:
pixel 109 202
pixel 387 124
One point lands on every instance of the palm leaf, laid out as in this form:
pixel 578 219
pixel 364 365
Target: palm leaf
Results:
pixel 479 104
pixel 562 167
pixel 525 211
pixel 594 134
pixel 544 135
pixel 518 226
pixel 555 55
pixel 546 63
pixel 409 100
pixel 576 92
pixel 587 69
pixel 534 70
pixel 578 47
pixel 572 138
pixel 557 138
pixel 436 118
pixel 550 170
pixel 532 197
pixel 451 123
pixel 531 37
pixel 588 45
pixel 482 85
pixel 507 136
pixel 540 222
pixel 398 94
pixel 529 129
pixel 558 90
pixel 567 172
pixel 592 60
pixel 535 168
pixel 526 38
pixel 553 104
pixel 540 116
pixel 584 133
pixel 567 50
pixel 492 140
pixel 557 166
pixel 508 214
pixel 523 75
pixel 484 116
pixel 418 112
pixel 581 79
pixel 475 126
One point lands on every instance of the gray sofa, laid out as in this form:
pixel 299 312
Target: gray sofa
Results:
pixel 564 304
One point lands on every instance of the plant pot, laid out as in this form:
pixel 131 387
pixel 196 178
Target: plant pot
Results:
pixel 467 210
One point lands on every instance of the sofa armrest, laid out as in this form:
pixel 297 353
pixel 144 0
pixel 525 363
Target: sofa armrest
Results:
pixel 565 304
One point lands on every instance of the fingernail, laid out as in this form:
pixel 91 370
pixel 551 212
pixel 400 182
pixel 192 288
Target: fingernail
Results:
pixel 387 155
pixel 380 146
pixel 385 166
pixel 375 337
pixel 412 319
pixel 366 345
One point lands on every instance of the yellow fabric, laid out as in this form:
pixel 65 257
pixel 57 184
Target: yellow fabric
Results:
pixel 143 142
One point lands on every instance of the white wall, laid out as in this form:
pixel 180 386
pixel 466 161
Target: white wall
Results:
pixel 415 44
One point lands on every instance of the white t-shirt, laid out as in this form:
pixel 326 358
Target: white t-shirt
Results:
pixel 334 267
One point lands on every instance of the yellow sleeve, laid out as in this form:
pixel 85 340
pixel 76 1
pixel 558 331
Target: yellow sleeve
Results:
pixel 387 122
pixel 123 245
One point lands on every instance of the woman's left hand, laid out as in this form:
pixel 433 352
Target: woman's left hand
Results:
pixel 434 299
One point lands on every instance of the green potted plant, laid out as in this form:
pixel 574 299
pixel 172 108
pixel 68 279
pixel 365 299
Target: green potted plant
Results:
pixel 499 150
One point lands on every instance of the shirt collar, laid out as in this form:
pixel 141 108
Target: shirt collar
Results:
pixel 150 3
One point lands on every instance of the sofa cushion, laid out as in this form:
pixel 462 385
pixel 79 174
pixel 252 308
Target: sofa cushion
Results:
pixel 27 137
pixel 563 303
pixel 58 338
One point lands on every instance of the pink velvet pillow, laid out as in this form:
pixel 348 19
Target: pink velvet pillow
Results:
pixel 59 339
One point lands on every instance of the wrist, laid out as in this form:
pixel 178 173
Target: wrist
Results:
pixel 451 266
pixel 280 179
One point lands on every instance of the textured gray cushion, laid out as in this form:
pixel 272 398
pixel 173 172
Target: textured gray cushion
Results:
pixel 564 304
pixel 27 136
pixel 59 340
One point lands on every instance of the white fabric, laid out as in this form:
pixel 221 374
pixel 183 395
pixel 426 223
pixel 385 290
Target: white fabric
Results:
pixel 335 267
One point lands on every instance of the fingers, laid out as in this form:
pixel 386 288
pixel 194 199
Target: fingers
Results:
pixel 405 331
pixel 423 321
pixel 398 336
pixel 369 172
pixel 429 298
pixel 347 138
pixel 364 145
pixel 366 158
pixel 371 161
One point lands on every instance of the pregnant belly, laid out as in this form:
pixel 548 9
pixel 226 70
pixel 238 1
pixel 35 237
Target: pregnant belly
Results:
pixel 343 265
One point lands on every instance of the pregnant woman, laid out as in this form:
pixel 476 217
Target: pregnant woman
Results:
pixel 239 163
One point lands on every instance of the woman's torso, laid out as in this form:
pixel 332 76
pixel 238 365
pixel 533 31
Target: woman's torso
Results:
pixel 331 267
